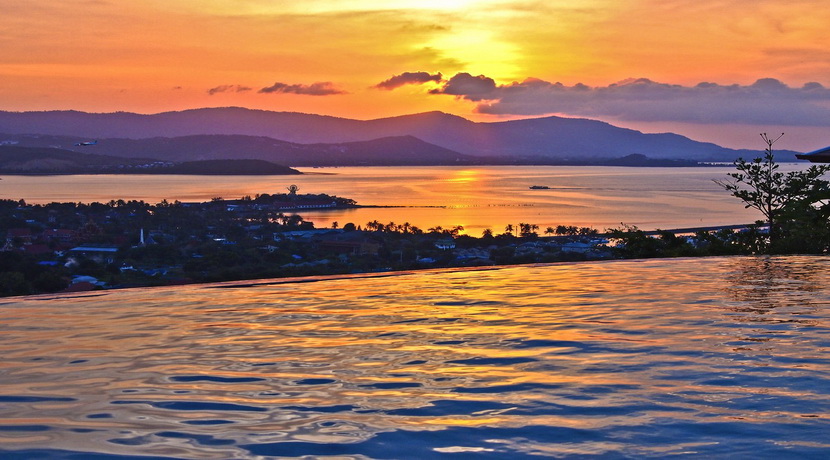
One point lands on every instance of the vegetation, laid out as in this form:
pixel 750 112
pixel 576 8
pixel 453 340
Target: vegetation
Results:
pixel 795 205
pixel 56 246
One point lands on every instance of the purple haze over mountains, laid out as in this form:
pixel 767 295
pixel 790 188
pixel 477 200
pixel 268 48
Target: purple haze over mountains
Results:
pixel 548 137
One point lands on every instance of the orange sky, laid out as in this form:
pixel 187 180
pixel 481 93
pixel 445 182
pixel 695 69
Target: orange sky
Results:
pixel 159 55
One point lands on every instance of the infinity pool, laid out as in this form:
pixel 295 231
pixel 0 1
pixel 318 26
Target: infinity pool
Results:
pixel 714 357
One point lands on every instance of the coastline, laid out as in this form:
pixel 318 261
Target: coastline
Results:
pixel 246 283
pixel 588 249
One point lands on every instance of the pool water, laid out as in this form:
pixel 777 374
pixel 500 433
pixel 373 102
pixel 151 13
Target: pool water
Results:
pixel 700 358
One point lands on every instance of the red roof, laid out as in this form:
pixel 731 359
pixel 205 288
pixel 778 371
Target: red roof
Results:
pixel 58 233
pixel 36 249
pixel 18 233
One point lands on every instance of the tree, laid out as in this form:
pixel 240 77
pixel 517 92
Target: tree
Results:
pixel 786 201
pixel 374 225
pixel 527 230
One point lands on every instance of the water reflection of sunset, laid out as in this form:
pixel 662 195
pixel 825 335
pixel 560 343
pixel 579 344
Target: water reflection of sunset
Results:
pixel 477 198
pixel 616 348
pixel 464 176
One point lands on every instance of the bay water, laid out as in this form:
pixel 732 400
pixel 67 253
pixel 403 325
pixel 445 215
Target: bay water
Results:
pixel 476 198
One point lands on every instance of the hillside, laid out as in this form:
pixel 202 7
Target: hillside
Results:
pixel 389 151
pixel 224 168
pixel 548 138
pixel 45 160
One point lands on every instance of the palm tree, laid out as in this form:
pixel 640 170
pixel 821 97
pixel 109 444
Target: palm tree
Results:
pixel 526 230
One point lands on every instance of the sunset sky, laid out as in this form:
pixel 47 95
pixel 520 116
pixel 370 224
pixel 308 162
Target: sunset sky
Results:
pixel 714 70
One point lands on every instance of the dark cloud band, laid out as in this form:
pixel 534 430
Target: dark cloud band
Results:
pixel 228 89
pixel 409 78
pixel 325 88
pixel 767 101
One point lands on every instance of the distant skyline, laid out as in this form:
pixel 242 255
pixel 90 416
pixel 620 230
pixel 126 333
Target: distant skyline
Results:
pixel 714 70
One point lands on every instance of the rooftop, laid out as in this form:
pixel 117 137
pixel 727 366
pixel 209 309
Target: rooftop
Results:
pixel 817 156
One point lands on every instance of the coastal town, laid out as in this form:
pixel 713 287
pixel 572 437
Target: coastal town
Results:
pixel 60 247
pixel 70 247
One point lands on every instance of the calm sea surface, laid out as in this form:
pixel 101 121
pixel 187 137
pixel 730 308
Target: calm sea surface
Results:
pixel 476 198
pixel 700 358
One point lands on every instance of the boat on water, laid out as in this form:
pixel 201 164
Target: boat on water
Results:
pixel 539 187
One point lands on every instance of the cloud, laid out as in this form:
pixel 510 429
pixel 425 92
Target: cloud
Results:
pixel 228 89
pixel 469 87
pixel 323 88
pixel 409 78
pixel 767 101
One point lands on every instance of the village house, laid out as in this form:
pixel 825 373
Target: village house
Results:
pixel 353 243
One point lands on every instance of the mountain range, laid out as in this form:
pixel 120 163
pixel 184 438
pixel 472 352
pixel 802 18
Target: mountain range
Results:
pixel 299 139
pixel 387 151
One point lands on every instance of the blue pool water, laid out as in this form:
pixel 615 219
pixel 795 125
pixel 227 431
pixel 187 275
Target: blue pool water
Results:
pixel 698 358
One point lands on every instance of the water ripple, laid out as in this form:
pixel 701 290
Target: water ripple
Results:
pixel 721 357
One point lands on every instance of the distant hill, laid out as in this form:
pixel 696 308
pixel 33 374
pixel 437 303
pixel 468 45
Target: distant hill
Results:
pixel 545 139
pixel 45 160
pixel 389 151
pixel 35 160
pixel 226 168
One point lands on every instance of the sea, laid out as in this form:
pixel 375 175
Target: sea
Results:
pixel 723 357
pixel 476 198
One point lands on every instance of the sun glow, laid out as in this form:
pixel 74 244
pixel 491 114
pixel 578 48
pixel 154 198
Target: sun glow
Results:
pixel 479 51
pixel 466 177
pixel 335 6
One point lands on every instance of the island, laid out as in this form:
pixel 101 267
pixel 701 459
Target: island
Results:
pixel 53 161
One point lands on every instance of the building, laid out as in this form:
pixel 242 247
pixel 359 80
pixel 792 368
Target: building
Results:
pixel 817 156
pixel 100 254
pixel 354 243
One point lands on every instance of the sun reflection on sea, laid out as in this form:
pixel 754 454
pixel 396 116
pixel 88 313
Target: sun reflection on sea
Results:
pixel 464 176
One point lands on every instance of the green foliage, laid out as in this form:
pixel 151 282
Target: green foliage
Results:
pixel 794 205
pixel 20 275
pixel 571 230
pixel 633 243
pixel 13 283
pixel 528 230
